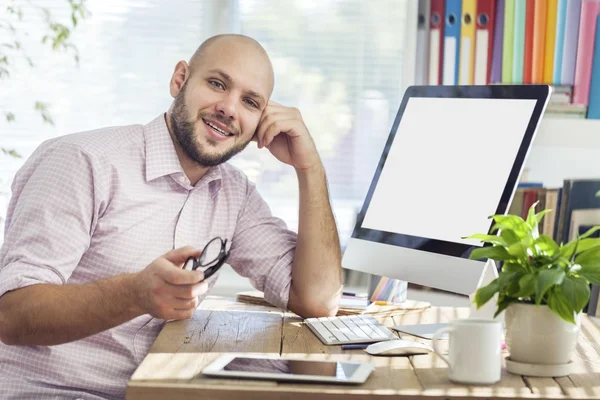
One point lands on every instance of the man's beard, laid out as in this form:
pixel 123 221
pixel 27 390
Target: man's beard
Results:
pixel 183 129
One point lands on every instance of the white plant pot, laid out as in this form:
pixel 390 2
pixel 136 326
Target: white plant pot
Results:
pixel 535 335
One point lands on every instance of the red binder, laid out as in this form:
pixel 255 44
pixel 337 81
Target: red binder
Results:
pixel 484 31
pixel 528 56
pixel 436 42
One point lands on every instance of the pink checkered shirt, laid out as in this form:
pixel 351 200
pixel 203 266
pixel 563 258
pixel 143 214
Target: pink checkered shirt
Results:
pixel 92 205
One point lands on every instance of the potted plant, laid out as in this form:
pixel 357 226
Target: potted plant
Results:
pixel 542 286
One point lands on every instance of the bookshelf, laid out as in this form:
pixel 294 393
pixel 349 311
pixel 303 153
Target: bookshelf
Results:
pixel 569 132
pixel 564 148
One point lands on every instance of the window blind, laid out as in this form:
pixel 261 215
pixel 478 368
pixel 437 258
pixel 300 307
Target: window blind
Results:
pixel 343 63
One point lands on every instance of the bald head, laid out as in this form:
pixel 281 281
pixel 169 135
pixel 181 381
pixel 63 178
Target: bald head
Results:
pixel 230 42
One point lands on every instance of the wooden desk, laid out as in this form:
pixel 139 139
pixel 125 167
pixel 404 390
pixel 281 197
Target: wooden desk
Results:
pixel 172 369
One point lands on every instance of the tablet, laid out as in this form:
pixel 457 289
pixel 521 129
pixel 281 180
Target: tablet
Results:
pixel 282 369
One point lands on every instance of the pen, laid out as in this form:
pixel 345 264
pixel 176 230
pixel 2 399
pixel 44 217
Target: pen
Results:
pixel 382 303
pixel 355 346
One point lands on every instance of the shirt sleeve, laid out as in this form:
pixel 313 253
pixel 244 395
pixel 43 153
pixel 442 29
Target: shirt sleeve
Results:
pixel 50 218
pixel 262 249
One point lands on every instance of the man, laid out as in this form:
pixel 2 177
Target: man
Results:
pixel 101 223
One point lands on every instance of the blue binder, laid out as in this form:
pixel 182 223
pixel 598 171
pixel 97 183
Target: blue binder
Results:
pixel 453 15
pixel 594 101
pixel 561 21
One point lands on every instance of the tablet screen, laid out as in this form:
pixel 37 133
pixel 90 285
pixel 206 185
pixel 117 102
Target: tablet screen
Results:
pixel 338 370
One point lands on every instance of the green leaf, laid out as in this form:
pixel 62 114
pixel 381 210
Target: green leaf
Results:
pixel 488 238
pixel 503 302
pixel 513 222
pixel 559 304
pixel 10 152
pixel 493 252
pixel 591 273
pixel 520 249
pixel 510 237
pixel 531 219
pixel 514 267
pixel 590 232
pixel 527 285
pixel 10 117
pixel 582 243
pixel 507 277
pixel 577 292
pixel 484 294
pixel 590 263
pixel 546 245
pixel 547 279
pixel 598 194
pixel 539 216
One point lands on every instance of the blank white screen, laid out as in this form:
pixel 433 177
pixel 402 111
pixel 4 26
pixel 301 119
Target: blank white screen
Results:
pixel 448 166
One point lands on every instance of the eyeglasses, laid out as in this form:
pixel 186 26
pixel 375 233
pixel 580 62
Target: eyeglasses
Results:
pixel 212 258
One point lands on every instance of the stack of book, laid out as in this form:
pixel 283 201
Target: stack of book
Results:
pixel 554 42
pixel 575 207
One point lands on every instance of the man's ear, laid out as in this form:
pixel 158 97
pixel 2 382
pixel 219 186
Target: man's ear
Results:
pixel 180 76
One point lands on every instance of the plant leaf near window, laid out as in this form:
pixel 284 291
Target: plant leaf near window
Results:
pixel 535 269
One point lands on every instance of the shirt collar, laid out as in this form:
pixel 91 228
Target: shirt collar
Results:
pixel 161 157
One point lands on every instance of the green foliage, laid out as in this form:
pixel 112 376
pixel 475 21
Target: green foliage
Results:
pixel 536 269
pixel 12 50
pixel 598 194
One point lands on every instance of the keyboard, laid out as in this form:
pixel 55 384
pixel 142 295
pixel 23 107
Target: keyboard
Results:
pixel 349 329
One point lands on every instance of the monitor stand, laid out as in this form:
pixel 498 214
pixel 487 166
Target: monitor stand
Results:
pixel 426 331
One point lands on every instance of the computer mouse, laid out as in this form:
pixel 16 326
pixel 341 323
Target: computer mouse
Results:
pixel 398 348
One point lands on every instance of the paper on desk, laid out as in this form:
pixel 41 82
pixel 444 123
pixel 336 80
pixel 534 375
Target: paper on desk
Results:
pixel 348 305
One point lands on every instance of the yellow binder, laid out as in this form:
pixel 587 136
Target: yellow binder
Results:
pixel 467 42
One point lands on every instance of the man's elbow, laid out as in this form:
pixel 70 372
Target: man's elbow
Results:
pixel 319 312
pixel 7 335
pixel 312 307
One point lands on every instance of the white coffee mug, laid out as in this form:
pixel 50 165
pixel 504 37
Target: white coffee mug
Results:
pixel 474 350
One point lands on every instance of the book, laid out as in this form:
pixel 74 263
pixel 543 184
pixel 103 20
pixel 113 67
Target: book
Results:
pixel 585 49
pixel 550 40
pixel 594 98
pixel 496 73
pixel 519 41
pixel 580 195
pixel 559 41
pixel 528 49
pixel 571 37
pixel 508 41
pixel 539 38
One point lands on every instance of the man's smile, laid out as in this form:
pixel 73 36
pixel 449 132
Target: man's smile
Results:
pixel 218 130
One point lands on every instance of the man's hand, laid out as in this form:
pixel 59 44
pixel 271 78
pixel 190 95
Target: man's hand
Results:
pixel 166 290
pixel 282 130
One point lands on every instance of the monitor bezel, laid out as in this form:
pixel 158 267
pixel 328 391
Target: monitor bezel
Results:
pixel 540 93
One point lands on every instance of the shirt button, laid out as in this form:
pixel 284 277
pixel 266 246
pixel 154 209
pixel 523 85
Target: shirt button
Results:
pixel 182 179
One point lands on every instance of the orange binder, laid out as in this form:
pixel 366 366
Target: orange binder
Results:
pixel 550 40
pixel 528 56
pixel 539 37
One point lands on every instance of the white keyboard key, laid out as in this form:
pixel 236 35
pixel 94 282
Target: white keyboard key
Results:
pixel 349 329
pixel 327 335
pixel 356 330
pixel 332 328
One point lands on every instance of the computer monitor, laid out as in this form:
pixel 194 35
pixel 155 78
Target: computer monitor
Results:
pixel 453 158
